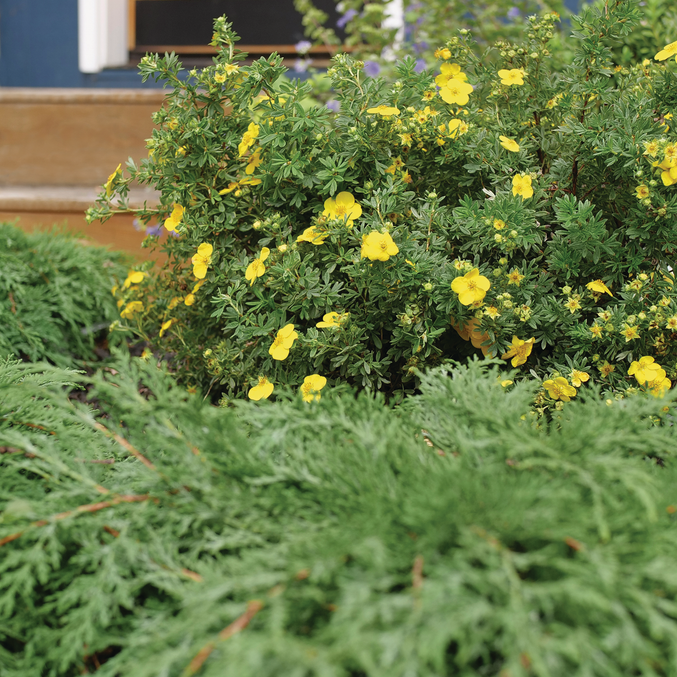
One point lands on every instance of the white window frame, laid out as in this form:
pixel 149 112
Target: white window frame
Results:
pixel 102 34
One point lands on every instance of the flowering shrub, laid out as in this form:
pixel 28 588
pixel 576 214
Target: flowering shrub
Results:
pixel 499 209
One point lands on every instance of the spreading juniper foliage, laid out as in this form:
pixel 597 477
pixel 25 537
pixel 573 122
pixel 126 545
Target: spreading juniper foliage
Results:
pixel 54 295
pixel 452 536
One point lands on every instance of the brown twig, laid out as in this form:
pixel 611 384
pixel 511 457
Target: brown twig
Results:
pixel 236 626
pixel 417 573
pixel 126 445
pixel 90 507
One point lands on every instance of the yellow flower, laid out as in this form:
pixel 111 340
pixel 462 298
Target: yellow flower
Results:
pixel 521 185
pixel 313 236
pixel 605 368
pixel 283 342
pixel 384 111
pixel 457 127
pixel 450 71
pixel 667 52
pixel 579 377
pixel 572 304
pixel 506 383
pixel 189 300
pixel 262 390
pixel 201 260
pixel 398 163
pixel 669 176
pixel 165 325
pixel 443 53
pixel 377 246
pixel 311 387
pixel 332 319
pixel 175 218
pixel 456 92
pixel 174 302
pixel 405 139
pixel 630 333
pixel 671 323
pixel 659 385
pixel 254 161
pixel 642 192
pixel 492 312
pixel 514 76
pixel 645 369
pixel 599 287
pixel 131 308
pixel 515 277
pixel 559 389
pixel 111 180
pixel 248 138
pixel 499 224
pixel 509 144
pixel 471 287
pixel 343 207
pixel 133 277
pixel 650 148
pixel 596 331
pixel 256 268
pixel 519 351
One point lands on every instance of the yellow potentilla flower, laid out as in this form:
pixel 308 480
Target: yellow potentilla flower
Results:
pixel 111 180
pixel 579 377
pixel 175 218
pixel 630 333
pixel 457 127
pixel 667 52
pixel 311 387
pixel 313 236
pixel 492 312
pixel 499 224
pixel 201 260
pixel 256 268
pixel 671 323
pixel 133 277
pixel 131 308
pixel 514 76
pixel 645 369
pixel 405 139
pixel 605 368
pixel 599 287
pixel 283 342
pixel 659 385
pixel 166 325
pixel 596 331
pixel 443 53
pixel 559 389
pixel 377 246
pixel 332 319
pixel 189 300
pixel 456 92
pixel 174 302
pixel 521 185
pixel 248 138
pixel 450 71
pixel 509 144
pixel 384 111
pixel 398 163
pixel 642 192
pixel 254 161
pixel 573 304
pixel 262 390
pixel 669 176
pixel 650 148
pixel 471 287
pixel 343 207
pixel 515 277
pixel 519 351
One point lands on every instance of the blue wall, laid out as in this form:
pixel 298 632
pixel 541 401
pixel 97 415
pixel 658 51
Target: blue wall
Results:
pixel 39 47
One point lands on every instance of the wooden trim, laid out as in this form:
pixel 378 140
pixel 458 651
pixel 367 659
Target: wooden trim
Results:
pixel 131 25
pixel 65 95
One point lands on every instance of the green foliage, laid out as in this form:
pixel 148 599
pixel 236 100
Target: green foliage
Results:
pixel 54 295
pixel 579 270
pixel 451 537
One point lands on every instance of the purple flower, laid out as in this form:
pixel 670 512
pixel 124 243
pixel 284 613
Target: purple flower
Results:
pixel 371 68
pixel 418 47
pixel 348 16
pixel 137 225
pixel 303 47
pixel 514 13
pixel 301 65
pixel 420 66
pixel 333 105
pixel 154 230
